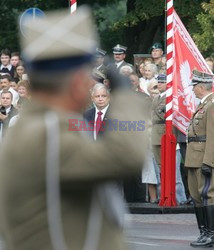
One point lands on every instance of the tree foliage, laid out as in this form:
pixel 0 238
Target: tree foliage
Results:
pixel 133 23
pixel 205 37
pixel 9 13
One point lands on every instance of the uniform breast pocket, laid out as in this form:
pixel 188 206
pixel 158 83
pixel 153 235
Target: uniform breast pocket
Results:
pixel 198 119
pixel 198 146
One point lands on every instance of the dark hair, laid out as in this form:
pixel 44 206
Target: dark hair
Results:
pixel 5 52
pixel 20 63
pixel 15 54
pixel 134 74
pixel 6 76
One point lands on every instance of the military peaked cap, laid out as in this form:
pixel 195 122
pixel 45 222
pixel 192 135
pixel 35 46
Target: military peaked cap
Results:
pixel 200 77
pixel 119 49
pixel 161 78
pixel 157 46
pixel 59 41
pixel 100 52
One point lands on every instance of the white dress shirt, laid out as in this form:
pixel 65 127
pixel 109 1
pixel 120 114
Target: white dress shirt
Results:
pixel 9 67
pixel 119 63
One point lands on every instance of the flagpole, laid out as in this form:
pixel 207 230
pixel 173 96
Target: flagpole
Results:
pixel 73 6
pixel 168 141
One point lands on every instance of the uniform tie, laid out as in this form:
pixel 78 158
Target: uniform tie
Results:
pixel 98 122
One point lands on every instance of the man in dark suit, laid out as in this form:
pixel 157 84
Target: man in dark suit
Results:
pixel 7 111
pixel 98 114
pixel 6 67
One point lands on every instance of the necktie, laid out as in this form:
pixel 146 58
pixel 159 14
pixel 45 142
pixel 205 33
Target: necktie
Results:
pixel 98 122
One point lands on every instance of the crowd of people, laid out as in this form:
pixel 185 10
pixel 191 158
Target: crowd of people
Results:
pixel 14 88
pixel 147 76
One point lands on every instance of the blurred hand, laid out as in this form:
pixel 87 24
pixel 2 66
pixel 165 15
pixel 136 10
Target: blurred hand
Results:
pixel 206 170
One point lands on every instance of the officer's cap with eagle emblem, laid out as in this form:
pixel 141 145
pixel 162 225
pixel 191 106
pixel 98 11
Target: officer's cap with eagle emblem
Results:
pixel 59 41
pixel 200 77
pixel 161 78
pixel 119 49
pixel 100 52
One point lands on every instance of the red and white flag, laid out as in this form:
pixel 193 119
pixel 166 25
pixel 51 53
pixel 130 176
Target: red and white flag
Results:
pixel 187 57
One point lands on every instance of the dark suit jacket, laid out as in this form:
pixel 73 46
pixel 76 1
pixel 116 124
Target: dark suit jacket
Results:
pixel 89 116
pixel 11 72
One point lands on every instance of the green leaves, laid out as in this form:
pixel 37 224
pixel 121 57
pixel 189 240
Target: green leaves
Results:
pixel 131 22
pixel 204 38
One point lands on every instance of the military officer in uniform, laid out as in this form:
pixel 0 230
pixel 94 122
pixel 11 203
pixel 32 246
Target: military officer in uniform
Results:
pixel 99 60
pixel 119 52
pixel 157 55
pixel 52 178
pixel 158 117
pixel 200 158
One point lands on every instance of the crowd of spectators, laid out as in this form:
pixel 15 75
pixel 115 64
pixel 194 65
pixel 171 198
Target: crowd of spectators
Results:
pixel 14 89
pixel 143 76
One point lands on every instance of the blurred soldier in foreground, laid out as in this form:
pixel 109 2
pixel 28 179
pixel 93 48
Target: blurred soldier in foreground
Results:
pixel 51 176
pixel 200 158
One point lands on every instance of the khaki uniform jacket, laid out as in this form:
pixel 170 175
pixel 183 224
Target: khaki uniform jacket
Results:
pixel 27 215
pixel 158 116
pixel 202 124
